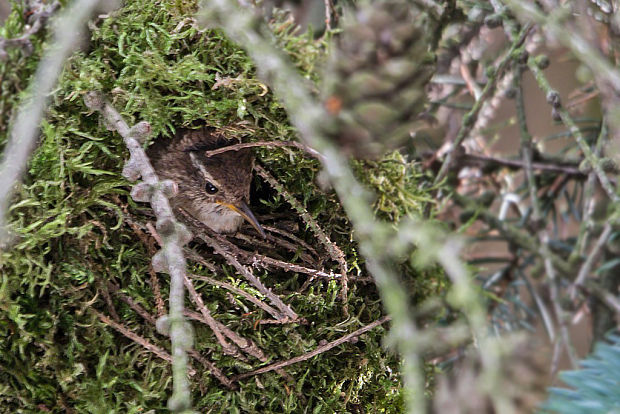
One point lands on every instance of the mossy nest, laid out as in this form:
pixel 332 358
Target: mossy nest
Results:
pixel 83 248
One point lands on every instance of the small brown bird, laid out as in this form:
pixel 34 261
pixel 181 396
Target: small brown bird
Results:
pixel 216 189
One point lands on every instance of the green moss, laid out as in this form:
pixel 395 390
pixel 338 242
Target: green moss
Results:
pixel 155 65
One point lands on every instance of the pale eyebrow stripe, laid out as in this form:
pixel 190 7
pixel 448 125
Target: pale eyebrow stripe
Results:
pixel 202 168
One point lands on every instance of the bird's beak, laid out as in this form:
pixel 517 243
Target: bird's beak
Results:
pixel 244 211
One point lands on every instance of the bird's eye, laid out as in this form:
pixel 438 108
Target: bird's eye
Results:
pixel 210 188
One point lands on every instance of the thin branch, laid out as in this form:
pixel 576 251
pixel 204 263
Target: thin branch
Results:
pixel 215 371
pixel 237 147
pixel 277 242
pixel 469 120
pixel 265 261
pixel 584 271
pixel 484 161
pixel 592 159
pixel 214 243
pixel 589 202
pixel 239 292
pixel 138 339
pixel 132 304
pixel 103 288
pixel 174 235
pixel 210 320
pixel 328 14
pixel 604 295
pixel 513 234
pixel 246 345
pixel 317 351
pixel 585 52
pixel 291 236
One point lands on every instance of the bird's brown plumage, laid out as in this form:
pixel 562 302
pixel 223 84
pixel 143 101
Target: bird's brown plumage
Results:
pixel 182 160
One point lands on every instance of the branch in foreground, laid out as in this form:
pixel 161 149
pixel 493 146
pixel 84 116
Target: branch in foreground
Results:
pixel 309 117
pixel 26 128
pixel 317 351
pixel 174 235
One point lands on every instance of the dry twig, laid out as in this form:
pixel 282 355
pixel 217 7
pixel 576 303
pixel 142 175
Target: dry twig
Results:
pixel 215 241
pixel 237 147
pixel 138 339
pixel 239 292
pixel 317 351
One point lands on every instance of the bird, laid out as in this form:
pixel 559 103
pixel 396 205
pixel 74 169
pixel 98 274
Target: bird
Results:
pixel 213 189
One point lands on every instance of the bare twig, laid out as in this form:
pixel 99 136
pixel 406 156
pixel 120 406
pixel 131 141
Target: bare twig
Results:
pixel 276 242
pixel 266 261
pixel 215 371
pixel 560 314
pixel 592 159
pixel 210 320
pixel 484 161
pixel 132 304
pixel 317 351
pixel 137 339
pixel 103 288
pixel 329 11
pixel 246 345
pixel 587 54
pixel 470 118
pixel 584 271
pixel 291 236
pixel 244 271
pixel 174 235
pixel 604 295
pixel 237 147
pixel 239 292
